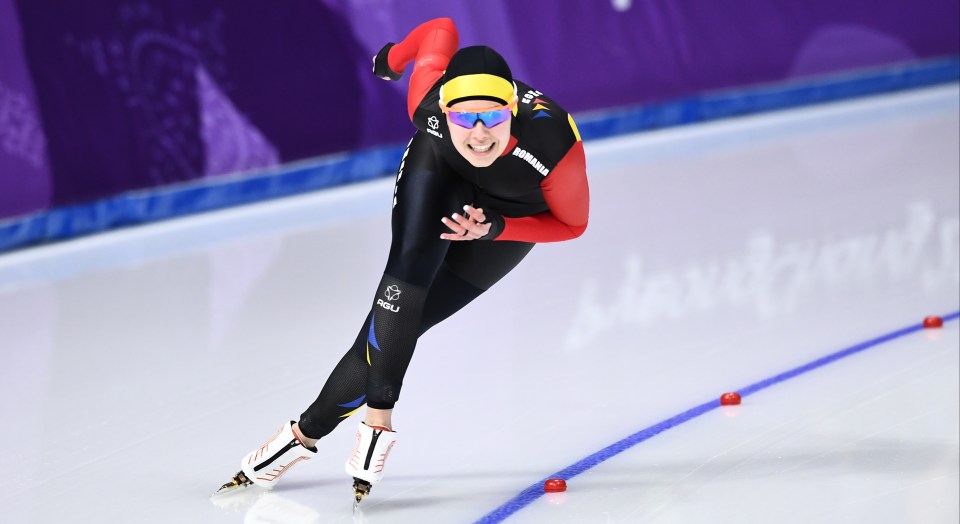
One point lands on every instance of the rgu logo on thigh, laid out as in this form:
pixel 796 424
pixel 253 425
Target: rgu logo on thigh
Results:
pixel 388 306
pixel 392 293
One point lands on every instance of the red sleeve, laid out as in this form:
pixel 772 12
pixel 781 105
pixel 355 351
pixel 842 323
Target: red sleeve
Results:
pixel 432 44
pixel 568 196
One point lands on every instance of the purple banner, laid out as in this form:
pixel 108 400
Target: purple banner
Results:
pixel 102 98
pixel 603 54
pixel 147 93
pixel 25 184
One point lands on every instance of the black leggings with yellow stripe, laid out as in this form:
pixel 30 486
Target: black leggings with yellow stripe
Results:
pixel 426 280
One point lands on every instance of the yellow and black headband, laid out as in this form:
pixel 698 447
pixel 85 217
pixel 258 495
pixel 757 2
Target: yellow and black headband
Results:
pixel 477 73
pixel 478 87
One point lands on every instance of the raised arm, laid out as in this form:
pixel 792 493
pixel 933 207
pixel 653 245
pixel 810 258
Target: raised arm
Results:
pixel 431 44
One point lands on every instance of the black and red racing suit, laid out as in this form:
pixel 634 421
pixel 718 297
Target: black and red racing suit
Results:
pixel 536 191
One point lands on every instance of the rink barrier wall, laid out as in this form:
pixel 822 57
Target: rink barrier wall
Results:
pixel 535 491
pixel 140 207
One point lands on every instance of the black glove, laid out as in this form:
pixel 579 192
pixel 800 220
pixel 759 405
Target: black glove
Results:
pixel 496 224
pixel 381 67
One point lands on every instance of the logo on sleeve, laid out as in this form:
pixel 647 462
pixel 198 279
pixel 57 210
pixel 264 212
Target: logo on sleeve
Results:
pixel 530 95
pixel 540 106
pixel 433 123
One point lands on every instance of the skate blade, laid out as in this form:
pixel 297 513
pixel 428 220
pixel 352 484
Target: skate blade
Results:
pixel 361 488
pixel 238 482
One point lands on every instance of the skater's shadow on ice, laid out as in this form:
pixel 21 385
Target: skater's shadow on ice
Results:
pixel 268 507
pixel 263 507
pixel 273 500
pixel 400 502
pixel 272 508
pixel 297 485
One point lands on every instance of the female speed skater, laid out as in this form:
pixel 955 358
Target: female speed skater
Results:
pixel 494 168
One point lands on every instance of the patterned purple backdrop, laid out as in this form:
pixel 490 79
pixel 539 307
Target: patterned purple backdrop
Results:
pixel 103 97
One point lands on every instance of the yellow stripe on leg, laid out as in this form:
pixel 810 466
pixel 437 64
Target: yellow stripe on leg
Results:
pixel 352 412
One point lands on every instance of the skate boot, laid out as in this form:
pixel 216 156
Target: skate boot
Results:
pixel 366 463
pixel 265 466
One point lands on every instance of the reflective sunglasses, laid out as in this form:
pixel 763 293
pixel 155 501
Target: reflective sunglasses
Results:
pixel 489 117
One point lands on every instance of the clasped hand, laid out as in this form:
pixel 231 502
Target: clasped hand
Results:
pixel 469 227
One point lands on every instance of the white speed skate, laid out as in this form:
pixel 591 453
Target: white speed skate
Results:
pixel 366 462
pixel 265 465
